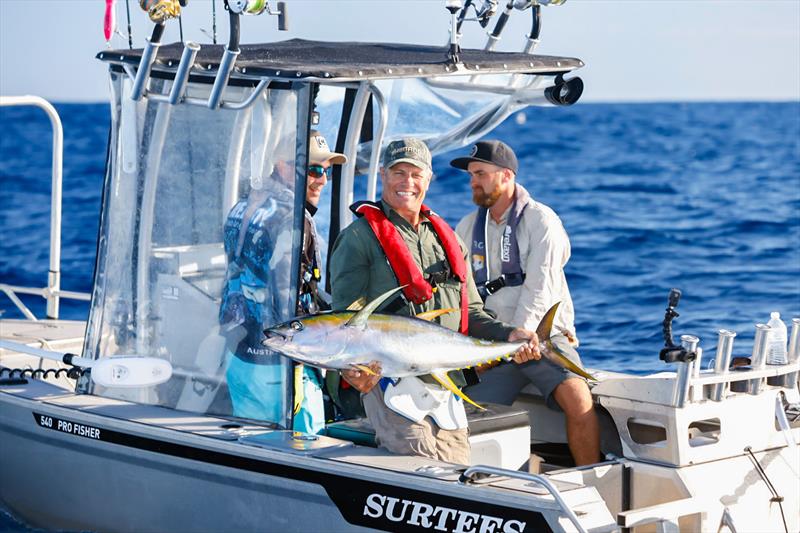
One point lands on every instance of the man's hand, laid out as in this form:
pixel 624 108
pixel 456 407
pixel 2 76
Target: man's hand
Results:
pixel 362 381
pixel 527 352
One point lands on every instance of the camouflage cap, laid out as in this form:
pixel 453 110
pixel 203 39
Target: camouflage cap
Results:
pixel 407 150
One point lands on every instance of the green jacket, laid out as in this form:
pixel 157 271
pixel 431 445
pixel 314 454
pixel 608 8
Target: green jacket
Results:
pixel 359 268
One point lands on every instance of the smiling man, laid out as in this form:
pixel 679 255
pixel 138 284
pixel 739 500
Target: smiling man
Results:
pixel 400 242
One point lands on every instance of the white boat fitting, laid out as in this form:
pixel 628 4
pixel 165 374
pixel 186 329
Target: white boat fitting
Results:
pixel 192 127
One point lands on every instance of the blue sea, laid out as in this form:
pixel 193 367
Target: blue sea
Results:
pixel 704 197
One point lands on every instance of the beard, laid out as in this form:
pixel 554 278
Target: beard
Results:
pixel 484 199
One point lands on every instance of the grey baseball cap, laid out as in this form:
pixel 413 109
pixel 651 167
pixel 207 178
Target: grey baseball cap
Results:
pixel 407 150
pixel 494 152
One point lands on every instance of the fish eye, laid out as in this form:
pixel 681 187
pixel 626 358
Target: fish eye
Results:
pixel 296 325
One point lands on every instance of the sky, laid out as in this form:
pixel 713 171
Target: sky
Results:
pixel 634 50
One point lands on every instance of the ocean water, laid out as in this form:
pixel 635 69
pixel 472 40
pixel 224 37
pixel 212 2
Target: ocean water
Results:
pixel 704 197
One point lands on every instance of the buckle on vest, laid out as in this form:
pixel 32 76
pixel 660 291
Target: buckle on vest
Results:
pixel 495 285
pixel 436 278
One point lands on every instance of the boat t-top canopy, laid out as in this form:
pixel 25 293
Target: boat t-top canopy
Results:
pixel 349 61
pixel 202 133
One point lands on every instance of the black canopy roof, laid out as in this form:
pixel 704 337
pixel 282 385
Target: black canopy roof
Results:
pixel 299 58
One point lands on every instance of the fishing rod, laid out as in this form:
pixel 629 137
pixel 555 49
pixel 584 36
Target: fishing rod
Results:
pixel 458 14
pixel 121 371
pixel 159 11
pixel 236 8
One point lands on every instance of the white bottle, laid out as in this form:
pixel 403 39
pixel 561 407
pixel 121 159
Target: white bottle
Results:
pixel 776 341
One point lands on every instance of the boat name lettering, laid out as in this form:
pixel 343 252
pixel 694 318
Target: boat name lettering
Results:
pixel 67 426
pixel 428 516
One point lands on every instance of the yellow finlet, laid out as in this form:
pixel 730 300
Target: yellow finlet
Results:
pixel 436 313
pixel 367 370
pixel 298 388
pixel 445 381
pixel 358 305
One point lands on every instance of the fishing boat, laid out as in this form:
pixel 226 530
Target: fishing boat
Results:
pixel 124 422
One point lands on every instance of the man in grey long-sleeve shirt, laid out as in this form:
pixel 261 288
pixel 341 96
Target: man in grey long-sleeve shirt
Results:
pixel 518 249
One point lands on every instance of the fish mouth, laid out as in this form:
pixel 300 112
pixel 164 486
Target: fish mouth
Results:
pixel 273 335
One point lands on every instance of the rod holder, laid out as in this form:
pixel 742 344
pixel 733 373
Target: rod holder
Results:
pixel 685 371
pixel 697 392
pixel 143 73
pixel 182 74
pixel 722 361
pixel 759 357
pixel 794 353
pixel 223 75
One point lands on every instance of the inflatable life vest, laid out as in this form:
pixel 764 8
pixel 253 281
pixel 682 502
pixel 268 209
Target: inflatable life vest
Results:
pixel 511 274
pixel 417 288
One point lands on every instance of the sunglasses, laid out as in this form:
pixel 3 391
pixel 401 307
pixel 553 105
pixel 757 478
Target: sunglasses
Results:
pixel 318 171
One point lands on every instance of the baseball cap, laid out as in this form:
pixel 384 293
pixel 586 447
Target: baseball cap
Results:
pixel 407 150
pixel 493 152
pixel 319 152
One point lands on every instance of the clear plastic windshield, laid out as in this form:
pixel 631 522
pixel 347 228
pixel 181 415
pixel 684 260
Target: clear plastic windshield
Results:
pixel 447 113
pixel 201 226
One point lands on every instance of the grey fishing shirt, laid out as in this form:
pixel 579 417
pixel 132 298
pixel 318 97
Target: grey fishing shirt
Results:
pixel 359 268
pixel 544 250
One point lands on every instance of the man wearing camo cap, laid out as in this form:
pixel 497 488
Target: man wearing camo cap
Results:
pixel 419 251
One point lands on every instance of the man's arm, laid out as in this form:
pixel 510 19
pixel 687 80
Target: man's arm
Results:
pixel 349 268
pixel 350 274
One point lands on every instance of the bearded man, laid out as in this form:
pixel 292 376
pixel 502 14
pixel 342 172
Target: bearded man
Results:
pixel 518 248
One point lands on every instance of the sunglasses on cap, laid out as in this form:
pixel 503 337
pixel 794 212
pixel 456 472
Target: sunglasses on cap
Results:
pixel 318 171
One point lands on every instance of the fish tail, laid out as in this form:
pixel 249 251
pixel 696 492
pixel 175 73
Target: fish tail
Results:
pixel 567 363
pixel 445 381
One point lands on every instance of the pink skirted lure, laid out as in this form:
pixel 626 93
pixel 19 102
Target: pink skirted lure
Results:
pixel 110 21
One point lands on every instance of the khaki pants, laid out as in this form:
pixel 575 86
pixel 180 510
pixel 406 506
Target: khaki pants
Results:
pixel 402 436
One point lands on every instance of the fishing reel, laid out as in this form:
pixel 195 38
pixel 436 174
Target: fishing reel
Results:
pixel 257 7
pixel 484 12
pixel 161 11
pixel 672 352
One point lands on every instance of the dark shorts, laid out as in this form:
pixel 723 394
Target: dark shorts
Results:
pixel 502 384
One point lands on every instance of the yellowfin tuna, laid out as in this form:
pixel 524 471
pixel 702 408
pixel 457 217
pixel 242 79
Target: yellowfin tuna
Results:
pixel 404 346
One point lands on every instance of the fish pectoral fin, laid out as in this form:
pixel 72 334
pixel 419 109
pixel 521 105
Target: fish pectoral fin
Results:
pixel 436 313
pixel 566 362
pixel 298 388
pixel 546 325
pixel 358 305
pixel 364 368
pixel 444 380
pixel 360 318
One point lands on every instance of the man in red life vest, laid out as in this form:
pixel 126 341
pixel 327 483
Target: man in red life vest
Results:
pixel 399 241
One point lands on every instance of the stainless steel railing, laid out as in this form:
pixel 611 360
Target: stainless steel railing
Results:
pixel 533 478
pixel 52 292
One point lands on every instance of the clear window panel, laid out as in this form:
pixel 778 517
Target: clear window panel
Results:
pixel 200 232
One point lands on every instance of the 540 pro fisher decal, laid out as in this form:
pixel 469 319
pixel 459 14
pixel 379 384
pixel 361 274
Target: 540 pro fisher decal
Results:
pixel 376 505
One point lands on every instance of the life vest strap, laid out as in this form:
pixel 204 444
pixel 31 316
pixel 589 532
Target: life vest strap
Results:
pixel 416 288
